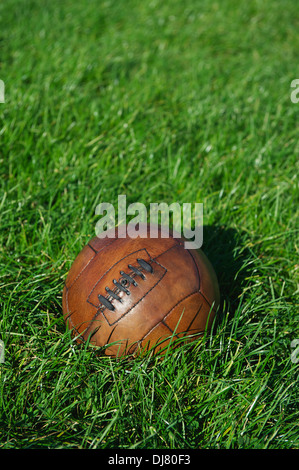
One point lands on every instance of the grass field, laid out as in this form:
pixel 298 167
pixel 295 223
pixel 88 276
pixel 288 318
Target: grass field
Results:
pixel 160 101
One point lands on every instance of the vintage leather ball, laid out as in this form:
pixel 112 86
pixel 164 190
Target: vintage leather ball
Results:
pixel 139 293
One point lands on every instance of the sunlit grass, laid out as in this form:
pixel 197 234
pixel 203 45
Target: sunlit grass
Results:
pixel 159 101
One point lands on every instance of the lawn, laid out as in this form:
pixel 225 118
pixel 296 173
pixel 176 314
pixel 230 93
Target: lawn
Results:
pixel 162 102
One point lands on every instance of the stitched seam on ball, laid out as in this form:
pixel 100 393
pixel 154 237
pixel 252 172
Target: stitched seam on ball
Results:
pixel 91 259
pixel 67 308
pixel 92 248
pixel 78 275
pixel 99 251
pixel 167 326
pixel 177 243
pixel 207 300
pixel 168 249
pixel 168 313
pixel 197 269
pixel 133 306
pixel 73 328
pixel 193 319
pixel 199 277
pixel 159 280
pixel 173 332
pixel 99 280
pixel 69 315
pixel 67 301
pixel 96 253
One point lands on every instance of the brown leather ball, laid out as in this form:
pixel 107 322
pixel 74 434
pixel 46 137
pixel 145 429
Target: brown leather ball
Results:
pixel 137 293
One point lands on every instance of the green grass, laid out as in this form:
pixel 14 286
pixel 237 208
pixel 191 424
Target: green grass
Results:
pixel 161 101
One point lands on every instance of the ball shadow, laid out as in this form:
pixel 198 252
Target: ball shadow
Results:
pixel 225 249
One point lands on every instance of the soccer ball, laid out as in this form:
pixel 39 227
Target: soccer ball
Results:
pixel 132 294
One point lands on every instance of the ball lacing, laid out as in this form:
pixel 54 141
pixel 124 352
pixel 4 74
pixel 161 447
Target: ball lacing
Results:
pixel 124 283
